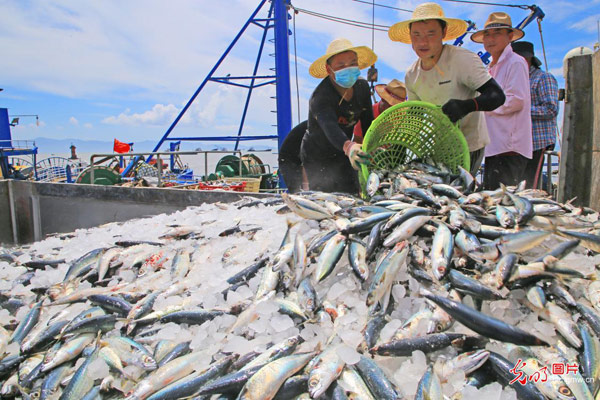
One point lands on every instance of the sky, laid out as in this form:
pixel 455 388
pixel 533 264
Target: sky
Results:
pixel 98 70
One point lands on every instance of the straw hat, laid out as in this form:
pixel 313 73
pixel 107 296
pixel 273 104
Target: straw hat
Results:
pixel 494 21
pixel 394 92
pixel 365 55
pixel 400 31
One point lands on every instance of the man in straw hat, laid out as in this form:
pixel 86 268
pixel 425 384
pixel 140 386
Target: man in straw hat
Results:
pixel 337 104
pixel 509 126
pixel 391 94
pixel 543 89
pixel 448 76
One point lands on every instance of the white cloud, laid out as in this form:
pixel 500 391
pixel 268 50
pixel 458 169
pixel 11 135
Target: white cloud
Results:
pixel 88 125
pixel 589 24
pixel 73 121
pixel 159 115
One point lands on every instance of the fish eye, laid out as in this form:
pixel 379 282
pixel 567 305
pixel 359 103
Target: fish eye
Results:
pixel 313 383
pixel 565 391
pixel 439 328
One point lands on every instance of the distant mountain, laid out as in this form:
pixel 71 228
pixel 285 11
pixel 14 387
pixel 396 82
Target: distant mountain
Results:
pixel 47 145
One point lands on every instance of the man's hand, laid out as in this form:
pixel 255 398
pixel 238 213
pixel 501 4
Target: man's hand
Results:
pixel 457 109
pixel 355 154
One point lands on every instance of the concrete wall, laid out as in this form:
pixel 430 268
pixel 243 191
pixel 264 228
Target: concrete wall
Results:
pixel 595 190
pixel 44 208
pixel 575 171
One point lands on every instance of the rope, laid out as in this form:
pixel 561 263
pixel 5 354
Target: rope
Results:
pixel 558 134
pixel 522 6
pixel 373 30
pixel 296 67
pixel 359 24
pixel 542 39
pixel 384 6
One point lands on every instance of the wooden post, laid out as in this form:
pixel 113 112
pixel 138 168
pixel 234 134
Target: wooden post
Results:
pixel 575 173
pixel 595 190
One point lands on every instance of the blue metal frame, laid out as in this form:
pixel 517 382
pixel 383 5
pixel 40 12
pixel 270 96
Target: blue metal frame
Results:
pixel 277 18
pixel 459 40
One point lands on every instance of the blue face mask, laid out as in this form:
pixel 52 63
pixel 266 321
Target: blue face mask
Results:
pixel 347 77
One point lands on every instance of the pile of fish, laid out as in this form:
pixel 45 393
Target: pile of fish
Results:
pixel 428 290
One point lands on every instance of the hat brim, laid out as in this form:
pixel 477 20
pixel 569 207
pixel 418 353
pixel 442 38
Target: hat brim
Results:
pixel 366 58
pixel 477 37
pixel 385 95
pixel 400 31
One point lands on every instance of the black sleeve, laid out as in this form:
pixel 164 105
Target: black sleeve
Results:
pixel 323 111
pixel 366 117
pixel 290 148
pixel 492 96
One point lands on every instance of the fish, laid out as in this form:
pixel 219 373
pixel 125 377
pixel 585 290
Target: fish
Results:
pixel 191 384
pixel 266 381
pixel 442 249
pixel 376 380
pixel 357 256
pixel 484 324
pixel 327 369
pixel 429 387
pixel 386 271
pixel 171 371
pixel 330 256
pixel 405 347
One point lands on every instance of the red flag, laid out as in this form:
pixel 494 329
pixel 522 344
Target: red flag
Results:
pixel 120 147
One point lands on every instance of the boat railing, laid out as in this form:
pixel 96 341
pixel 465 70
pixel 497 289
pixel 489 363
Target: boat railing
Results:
pixel 17 144
pixel 158 156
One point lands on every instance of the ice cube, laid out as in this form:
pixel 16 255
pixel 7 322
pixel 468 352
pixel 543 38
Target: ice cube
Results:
pixel 398 291
pixel 493 391
pixel 351 338
pixel 348 354
pixel 98 369
pixel 281 322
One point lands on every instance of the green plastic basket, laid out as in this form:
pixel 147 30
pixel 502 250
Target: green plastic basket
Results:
pixel 411 130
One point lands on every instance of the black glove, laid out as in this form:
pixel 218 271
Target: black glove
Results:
pixel 457 109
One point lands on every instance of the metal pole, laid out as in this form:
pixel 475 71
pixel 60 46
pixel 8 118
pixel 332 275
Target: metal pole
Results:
pixel 159 166
pixel 282 69
pixel 13 217
pixel 251 86
pixel 549 173
pixel 205 166
pixel 92 169
pixel 212 71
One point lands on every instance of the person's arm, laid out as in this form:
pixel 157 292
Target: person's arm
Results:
pixel 357 133
pixel 325 115
pixel 547 93
pixel 516 89
pixel 410 93
pixel 491 97
pixel 364 99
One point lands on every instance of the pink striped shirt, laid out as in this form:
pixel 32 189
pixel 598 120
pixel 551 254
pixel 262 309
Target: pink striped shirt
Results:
pixel 509 126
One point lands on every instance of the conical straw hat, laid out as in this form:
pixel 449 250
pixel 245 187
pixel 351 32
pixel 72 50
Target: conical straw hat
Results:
pixel 400 31
pixel 394 92
pixel 365 55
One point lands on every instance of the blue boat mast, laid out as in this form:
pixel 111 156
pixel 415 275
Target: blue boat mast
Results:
pixel 277 18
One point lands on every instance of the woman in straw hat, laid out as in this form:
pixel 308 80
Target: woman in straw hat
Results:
pixel 448 76
pixel 391 94
pixel 337 104
pixel 509 126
